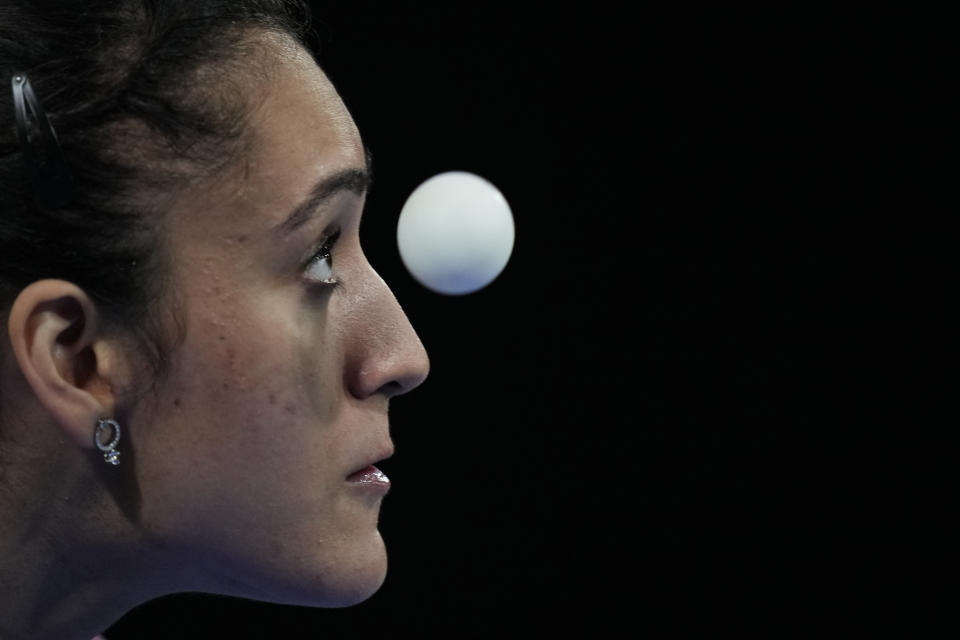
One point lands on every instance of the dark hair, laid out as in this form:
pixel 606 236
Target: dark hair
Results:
pixel 144 98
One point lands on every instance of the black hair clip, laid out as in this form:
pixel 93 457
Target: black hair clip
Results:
pixel 52 183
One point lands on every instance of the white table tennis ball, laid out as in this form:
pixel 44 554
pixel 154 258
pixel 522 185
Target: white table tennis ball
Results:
pixel 455 233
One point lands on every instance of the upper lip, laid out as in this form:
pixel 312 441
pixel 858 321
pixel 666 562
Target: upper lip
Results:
pixel 383 453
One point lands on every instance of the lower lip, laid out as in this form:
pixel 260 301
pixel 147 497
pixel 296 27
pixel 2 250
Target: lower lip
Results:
pixel 371 478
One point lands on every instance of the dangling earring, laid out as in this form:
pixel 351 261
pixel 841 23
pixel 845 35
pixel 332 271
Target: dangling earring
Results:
pixel 110 453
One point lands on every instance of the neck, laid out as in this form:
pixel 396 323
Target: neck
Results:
pixel 72 563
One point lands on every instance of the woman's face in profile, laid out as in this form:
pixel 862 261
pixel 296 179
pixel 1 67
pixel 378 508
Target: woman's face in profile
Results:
pixel 293 347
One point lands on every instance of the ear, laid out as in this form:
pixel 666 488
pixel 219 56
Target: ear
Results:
pixel 57 337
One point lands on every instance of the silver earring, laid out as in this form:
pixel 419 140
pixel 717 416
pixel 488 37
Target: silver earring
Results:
pixel 110 453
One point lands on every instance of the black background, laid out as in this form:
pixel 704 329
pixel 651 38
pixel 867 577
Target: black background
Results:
pixel 651 415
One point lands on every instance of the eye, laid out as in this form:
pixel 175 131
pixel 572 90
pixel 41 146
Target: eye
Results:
pixel 320 266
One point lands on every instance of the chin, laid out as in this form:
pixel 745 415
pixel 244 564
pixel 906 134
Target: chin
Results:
pixel 358 592
pixel 338 575
pixel 350 581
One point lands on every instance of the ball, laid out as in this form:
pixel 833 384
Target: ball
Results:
pixel 455 233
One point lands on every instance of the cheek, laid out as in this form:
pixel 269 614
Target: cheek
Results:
pixel 236 365
pixel 249 414
pixel 267 375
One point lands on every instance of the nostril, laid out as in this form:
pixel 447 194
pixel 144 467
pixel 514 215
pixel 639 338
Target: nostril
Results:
pixel 392 388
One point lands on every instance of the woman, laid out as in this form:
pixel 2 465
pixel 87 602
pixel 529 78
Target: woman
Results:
pixel 198 359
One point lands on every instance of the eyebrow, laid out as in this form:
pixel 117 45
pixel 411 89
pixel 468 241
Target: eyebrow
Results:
pixel 355 180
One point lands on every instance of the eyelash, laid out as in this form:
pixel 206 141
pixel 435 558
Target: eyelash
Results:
pixel 324 253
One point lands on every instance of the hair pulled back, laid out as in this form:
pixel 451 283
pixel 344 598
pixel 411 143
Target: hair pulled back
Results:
pixel 143 98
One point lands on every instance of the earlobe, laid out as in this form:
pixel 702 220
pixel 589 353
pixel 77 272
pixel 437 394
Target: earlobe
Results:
pixel 55 332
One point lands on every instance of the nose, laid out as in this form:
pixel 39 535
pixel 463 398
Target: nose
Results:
pixel 385 356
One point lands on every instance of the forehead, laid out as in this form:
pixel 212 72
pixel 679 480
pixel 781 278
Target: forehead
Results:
pixel 299 131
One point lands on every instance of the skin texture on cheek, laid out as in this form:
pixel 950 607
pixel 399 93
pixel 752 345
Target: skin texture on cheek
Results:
pixel 272 366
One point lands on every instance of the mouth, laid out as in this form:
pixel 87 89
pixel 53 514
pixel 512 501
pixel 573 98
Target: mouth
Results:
pixel 368 473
